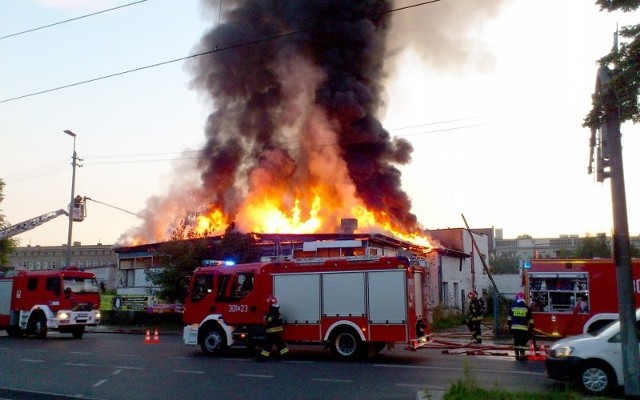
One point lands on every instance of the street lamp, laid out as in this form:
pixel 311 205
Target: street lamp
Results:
pixel 74 159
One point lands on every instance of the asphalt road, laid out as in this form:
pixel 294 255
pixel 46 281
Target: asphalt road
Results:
pixel 122 366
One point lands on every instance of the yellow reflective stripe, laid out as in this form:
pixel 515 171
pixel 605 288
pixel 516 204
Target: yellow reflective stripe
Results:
pixel 274 329
pixel 520 327
pixel 519 312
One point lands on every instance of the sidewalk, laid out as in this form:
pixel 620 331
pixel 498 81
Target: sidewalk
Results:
pixel 134 330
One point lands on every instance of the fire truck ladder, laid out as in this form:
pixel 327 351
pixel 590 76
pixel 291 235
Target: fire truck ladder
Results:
pixel 30 224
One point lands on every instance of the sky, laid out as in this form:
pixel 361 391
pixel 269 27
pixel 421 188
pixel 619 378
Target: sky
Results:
pixel 492 101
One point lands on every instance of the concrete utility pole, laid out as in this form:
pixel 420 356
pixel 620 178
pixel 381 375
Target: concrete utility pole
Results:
pixel 74 164
pixel 609 165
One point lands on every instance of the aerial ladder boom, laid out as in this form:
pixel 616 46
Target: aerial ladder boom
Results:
pixel 30 224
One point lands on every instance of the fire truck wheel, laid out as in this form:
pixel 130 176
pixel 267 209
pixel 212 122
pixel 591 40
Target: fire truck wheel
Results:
pixel 213 341
pixel 595 378
pixel 38 325
pixel 346 344
pixel 77 332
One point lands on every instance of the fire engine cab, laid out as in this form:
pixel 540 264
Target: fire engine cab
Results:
pixel 570 297
pixel 32 302
pixel 356 306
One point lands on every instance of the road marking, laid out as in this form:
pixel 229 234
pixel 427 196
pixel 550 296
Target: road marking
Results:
pixel 332 380
pixel 116 372
pixel 503 371
pixel 418 386
pixel 255 376
pixel 79 364
pixel 299 362
pixel 86 353
pixel 134 368
pixel 186 371
pixel 30 360
pixel 100 382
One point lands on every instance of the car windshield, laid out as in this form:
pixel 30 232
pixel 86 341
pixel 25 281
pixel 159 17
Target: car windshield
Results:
pixel 614 327
pixel 80 285
pixel 600 330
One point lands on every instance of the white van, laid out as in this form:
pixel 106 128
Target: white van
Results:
pixel 593 360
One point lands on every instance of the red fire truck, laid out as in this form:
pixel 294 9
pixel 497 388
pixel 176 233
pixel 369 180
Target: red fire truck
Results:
pixel 32 302
pixel 356 306
pixel 570 297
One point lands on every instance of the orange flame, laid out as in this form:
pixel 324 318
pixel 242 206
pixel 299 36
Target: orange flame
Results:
pixel 271 215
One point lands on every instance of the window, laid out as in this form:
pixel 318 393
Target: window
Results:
pixel 202 287
pixel 242 285
pixel 80 285
pixel 551 292
pixel 53 283
pixel 32 284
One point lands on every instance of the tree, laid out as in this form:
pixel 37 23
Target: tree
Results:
pixel 593 247
pixel 180 258
pixel 625 83
pixel 505 263
pixel 7 246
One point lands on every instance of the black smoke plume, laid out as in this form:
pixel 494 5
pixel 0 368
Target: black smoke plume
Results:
pixel 344 42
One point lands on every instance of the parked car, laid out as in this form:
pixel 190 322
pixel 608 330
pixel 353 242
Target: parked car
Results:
pixel 593 360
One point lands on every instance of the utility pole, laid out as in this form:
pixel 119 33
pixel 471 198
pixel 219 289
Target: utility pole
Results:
pixel 609 165
pixel 74 164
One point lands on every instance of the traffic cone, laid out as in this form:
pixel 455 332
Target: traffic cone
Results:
pixel 532 352
pixel 147 337
pixel 543 353
pixel 156 337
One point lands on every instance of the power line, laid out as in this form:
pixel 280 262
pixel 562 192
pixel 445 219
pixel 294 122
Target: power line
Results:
pixel 214 50
pixel 70 20
pixel 141 158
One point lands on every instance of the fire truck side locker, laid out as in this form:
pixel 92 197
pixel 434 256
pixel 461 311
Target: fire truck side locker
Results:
pixel 314 305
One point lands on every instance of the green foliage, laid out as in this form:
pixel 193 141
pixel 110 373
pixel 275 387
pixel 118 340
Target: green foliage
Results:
pixel 180 257
pixel 593 247
pixel 505 263
pixel 7 246
pixel 444 320
pixel 624 87
pixel 467 389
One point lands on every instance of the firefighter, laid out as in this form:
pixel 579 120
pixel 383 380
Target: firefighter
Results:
pixel 474 317
pixel 520 321
pixel 273 324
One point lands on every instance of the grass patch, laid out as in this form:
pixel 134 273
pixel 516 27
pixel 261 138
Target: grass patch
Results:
pixel 468 389
pixel 446 320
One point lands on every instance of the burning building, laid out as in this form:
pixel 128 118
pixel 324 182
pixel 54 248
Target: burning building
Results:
pixel 293 141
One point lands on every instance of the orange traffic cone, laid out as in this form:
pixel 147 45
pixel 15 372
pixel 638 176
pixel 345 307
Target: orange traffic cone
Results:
pixel 543 353
pixel 156 337
pixel 532 352
pixel 147 337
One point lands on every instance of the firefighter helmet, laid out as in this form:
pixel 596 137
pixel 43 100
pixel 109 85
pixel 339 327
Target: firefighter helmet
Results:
pixel 472 294
pixel 520 296
pixel 272 301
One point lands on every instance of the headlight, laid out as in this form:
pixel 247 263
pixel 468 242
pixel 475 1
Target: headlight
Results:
pixel 63 315
pixel 561 352
pixel 98 315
